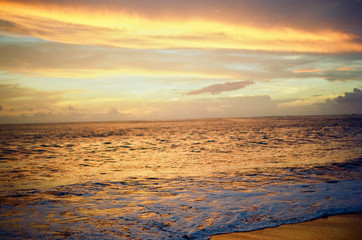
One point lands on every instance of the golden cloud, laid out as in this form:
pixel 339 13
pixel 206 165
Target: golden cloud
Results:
pixel 122 29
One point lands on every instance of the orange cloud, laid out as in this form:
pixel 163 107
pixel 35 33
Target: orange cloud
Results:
pixel 306 70
pixel 345 69
pixel 119 28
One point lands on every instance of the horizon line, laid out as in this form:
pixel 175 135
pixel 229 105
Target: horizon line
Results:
pixel 192 119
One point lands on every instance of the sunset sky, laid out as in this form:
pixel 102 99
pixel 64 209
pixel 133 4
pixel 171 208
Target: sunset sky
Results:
pixel 82 60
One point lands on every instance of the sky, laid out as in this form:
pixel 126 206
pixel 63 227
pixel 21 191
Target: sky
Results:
pixel 111 60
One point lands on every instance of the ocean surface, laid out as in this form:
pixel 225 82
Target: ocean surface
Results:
pixel 176 179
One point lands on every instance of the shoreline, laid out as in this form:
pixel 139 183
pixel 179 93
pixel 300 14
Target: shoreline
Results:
pixel 337 227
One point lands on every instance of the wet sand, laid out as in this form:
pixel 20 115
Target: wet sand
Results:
pixel 337 227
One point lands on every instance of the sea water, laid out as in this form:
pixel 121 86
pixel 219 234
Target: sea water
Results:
pixel 176 179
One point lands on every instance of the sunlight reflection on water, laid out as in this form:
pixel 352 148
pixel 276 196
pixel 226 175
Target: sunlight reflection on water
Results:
pixel 176 179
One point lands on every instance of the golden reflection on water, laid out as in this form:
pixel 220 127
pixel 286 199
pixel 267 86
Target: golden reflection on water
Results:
pixel 69 178
pixel 53 155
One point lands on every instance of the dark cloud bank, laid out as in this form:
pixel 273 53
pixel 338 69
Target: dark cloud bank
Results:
pixel 350 102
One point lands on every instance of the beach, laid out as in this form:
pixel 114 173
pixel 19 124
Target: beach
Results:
pixel 337 227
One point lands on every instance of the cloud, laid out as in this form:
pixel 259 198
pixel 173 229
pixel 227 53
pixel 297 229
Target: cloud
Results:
pixel 248 106
pixel 354 97
pixel 125 110
pixel 306 70
pixel 343 15
pixel 114 115
pixel 19 99
pixel 113 111
pixel 210 107
pixel 345 69
pixel 348 103
pixel 52 59
pixel 70 108
pixel 345 75
pixel 192 24
pixel 67 60
pixel 11 27
pixel 218 88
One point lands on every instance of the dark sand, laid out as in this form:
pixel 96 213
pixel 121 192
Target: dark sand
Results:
pixel 337 227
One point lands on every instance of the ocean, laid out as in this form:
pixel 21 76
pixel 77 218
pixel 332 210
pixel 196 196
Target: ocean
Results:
pixel 184 179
